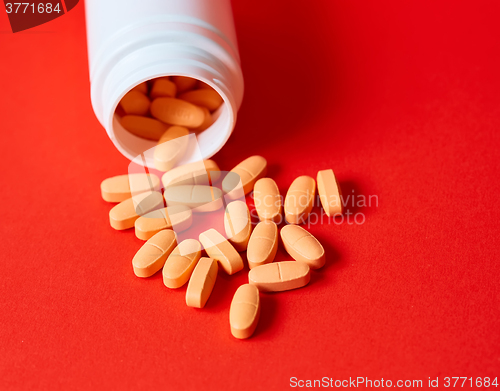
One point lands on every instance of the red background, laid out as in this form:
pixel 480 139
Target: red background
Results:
pixel 399 98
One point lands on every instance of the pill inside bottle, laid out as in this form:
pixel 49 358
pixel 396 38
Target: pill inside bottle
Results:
pixel 147 111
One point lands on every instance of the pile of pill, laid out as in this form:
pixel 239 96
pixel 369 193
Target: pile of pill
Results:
pixel 167 108
pixel 189 189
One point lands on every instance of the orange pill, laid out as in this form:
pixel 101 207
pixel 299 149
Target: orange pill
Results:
pixel 201 283
pixel 280 276
pixel 135 103
pixel 207 122
pixel 248 172
pixel 204 86
pixel 184 83
pixel 200 198
pixel 171 148
pixel 299 199
pixel 267 200
pixel 197 173
pixel 163 87
pixel 329 192
pixel 177 112
pixel 144 127
pixel 143 88
pixel 218 248
pixel 120 187
pixel 180 263
pixel 238 224
pixel 152 255
pixel 244 311
pixel 123 215
pixel 208 98
pixel 178 217
pixel 263 244
pixel 302 246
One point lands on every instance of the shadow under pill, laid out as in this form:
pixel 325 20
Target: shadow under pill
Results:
pixel 220 292
pixel 354 200
pixel 268 308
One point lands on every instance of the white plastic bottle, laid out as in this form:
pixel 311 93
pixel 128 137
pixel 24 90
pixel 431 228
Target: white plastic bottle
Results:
pixel 132 41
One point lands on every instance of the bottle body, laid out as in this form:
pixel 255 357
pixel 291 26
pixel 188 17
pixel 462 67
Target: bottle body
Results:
pixel 132 42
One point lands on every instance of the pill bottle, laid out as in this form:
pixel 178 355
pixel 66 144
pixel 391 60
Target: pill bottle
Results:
pixel 133 41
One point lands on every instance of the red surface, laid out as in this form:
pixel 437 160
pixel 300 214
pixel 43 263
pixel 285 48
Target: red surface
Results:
pixel 400 98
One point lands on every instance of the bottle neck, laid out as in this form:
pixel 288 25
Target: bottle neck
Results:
pixel 159 55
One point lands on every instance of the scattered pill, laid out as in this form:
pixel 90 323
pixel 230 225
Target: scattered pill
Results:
pixel 245 311
pixel 302 246
pixel 200 198
pixel 135 103
pixel 177 112
pixel 263 244
pixel 144 127
pixel 197 173
pixel 184 83
pixel 218 248
pixel 267 200
pixel 143 88
pixel 248 171
pixel 180 263
pixel 238 224
pixel 280 276
pixel 123 215
pixel 192 188
pixel 171 148
pixel 201 283
pixel 329 192
pixel 163 87
pixel 208 98
pixel 299 199
pixel 118 188
pixel 143 182
pixel 178 217
pixel 152 255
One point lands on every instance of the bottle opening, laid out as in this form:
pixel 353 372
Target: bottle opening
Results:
pixel 146 113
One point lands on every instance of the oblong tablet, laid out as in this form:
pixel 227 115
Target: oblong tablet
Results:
pixel 329 192
pixel 177 112
pixel 267 200
pixel 245 311
pixel 201 283
pixel 163 87
pixel 117 188
pixel 218 248
pixel 299 199
pixel 263 244
pixel 123 215
pixel 248 171
pixel 171 147
pixel 208 98
pixel 135 102
pixel 202 85
pixel 280 276
pixel 200 198
pixel 207 122
pixel 177 217
pixel 238 224
pixel 144 127
pixel 181 262
pixel 198 173
pixel 302 246
pixel 152 255
pixel 143 87
pixel 184 83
